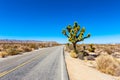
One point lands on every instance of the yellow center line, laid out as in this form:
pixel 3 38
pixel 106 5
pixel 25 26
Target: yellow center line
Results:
pixel 7 72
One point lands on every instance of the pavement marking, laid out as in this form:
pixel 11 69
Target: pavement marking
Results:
pixel 62 65
pixel 7 72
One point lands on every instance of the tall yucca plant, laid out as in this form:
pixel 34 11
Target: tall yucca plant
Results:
pixel 75 34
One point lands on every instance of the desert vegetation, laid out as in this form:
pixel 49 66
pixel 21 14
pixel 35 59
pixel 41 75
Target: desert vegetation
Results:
pixel 105 56
pixel 75 34
pixel 8 48
pixel 108 64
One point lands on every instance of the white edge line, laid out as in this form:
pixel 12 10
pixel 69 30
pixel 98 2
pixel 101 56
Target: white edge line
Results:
pixel 62 65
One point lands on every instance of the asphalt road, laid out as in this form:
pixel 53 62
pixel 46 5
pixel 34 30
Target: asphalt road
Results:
pixel 45 64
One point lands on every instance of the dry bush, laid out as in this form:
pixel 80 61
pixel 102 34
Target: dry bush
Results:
pixel 3 54
pixel 91 48
pixel 14 48
pixel 108 64
pixel 20 49
pixel 27 49
pixel 34 46
pixel 108 50
pixel 80 46
pixel 13 51
pixel 73 54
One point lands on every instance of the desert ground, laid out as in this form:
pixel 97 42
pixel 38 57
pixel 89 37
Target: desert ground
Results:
pixel 101 63
pixel 15 47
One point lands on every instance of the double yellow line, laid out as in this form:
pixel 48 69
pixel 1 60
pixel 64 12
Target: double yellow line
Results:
pixel 9 71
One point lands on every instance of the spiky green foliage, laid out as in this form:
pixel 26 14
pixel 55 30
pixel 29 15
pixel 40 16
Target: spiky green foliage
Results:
pixel 68 44
pixel 92 49
pixel 75 34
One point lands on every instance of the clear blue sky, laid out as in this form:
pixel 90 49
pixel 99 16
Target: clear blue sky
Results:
pixel 44 19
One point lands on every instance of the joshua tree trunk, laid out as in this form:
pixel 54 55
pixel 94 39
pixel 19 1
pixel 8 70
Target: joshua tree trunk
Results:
pixel 74 47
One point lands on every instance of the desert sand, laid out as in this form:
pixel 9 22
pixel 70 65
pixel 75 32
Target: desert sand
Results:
pixel 78 70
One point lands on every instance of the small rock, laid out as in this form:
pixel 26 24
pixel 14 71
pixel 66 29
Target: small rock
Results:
pixel 94 54
pixel 89 57
pixel 116 54
pixel 82 54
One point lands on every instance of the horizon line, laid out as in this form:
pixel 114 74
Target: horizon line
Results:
pixel 106 39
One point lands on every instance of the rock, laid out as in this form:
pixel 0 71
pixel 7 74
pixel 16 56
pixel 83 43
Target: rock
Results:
pixel 89 57
pixel 103 53
pixel 94 54
pixel 82 54
pixel 116 54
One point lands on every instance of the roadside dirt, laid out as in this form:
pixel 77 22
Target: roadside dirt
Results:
pixel 78 70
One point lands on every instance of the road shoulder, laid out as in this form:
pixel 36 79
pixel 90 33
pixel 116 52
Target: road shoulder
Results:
pixel 77 70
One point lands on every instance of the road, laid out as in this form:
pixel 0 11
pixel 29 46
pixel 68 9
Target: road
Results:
pixel 45 64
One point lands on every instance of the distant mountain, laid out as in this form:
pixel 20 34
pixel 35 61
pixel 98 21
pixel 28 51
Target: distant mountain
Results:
pixel 24 41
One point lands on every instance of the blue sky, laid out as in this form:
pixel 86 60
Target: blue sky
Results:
pixel 44 19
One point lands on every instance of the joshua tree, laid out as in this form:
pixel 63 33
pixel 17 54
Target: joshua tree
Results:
pixel 92 49
pixel 75 34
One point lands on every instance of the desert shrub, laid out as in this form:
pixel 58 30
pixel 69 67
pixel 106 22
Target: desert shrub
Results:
pixel 15 46
pixel 73 54
pixel 84 48
pixel 6 46
pixel 34 46
pixel 108 50
pixel 27 49
pixel 68 44
pixel 3 54
pixel 20 50
pixel 91 49
pixel 108 64
pixel 13 51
